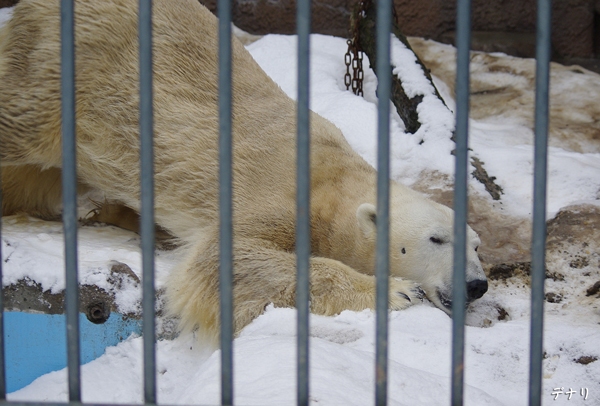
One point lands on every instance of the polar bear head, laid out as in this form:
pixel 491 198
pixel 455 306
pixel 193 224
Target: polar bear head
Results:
pixel 421 246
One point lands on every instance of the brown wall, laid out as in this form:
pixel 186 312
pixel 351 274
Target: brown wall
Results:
pixel 498 25
pixel 7 3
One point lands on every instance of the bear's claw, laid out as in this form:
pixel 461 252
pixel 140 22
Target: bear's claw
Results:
pixel 420 293
pixel 404 296
pixel 404 293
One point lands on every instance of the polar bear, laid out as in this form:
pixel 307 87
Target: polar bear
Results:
pixel 343 216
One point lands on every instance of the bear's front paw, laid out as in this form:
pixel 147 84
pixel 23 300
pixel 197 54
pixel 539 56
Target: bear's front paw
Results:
pixel 404 293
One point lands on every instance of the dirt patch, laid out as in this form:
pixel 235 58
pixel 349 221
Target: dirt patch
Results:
pixel 575 224
pixel 574 241
pixel 552 297
pixel 504 86
pixel 518 269
pixel 586 360
pixel 506 271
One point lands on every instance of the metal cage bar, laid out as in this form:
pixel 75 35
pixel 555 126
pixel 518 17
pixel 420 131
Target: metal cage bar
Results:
pixel 69 181
pixel 303 200
pixel 2 351
pixel 463 45
pixel 382 263
pixel 147 199
pixel 538 247
pixel 225 201
pixel 303 203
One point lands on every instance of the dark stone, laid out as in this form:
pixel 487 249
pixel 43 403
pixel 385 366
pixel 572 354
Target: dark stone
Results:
pixel 488 181
pixel 552 297
pixel 586 360
pixel 120 273
pixel 595 288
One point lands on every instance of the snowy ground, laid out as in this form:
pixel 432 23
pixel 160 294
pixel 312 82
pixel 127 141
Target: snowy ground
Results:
pixel 342 347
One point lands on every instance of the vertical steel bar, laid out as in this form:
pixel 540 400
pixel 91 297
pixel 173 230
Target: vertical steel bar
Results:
pixel 303 198
pixel 147 198
pixel 2 360
pixel 538 261
pixel 69 183
pixel 384 22
pixel 225 201
pixel 463 44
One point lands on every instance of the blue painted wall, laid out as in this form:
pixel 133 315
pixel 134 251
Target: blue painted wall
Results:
pixel 36 344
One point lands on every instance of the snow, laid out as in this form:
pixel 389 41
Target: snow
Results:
pixel 342 347
pixel 5 15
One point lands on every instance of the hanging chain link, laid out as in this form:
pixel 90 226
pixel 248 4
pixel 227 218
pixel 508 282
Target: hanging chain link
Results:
pixel 354 55
pixel 354 59
pixel 348 61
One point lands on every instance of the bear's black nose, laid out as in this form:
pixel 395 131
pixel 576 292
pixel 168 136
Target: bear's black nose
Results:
pixel 476 289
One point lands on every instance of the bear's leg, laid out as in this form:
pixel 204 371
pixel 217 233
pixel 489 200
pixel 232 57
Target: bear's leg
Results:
pixel 117 214
pixel 265 274
pixel 29 189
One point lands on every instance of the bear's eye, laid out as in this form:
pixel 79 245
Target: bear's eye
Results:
pixel 476 248
pixel 436 240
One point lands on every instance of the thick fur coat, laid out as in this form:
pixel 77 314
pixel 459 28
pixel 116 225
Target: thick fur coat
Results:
pixel 186 164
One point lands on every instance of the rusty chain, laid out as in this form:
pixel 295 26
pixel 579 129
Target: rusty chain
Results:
pixel 354 55
pixel 354 58
pixel 348 61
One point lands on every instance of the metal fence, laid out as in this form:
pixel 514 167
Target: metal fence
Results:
pixel 303 176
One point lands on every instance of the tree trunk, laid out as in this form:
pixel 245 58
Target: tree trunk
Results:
pixel 366 42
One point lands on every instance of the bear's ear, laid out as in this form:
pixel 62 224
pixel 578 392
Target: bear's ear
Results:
pixel 367 218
